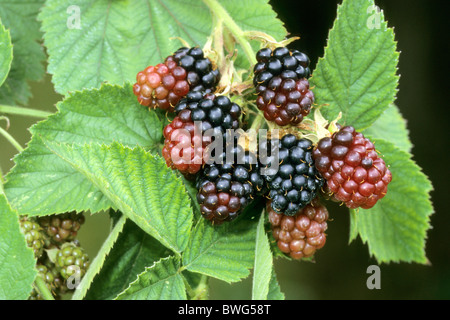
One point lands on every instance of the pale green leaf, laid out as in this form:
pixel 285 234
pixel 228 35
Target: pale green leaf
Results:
pixel 117 39
pixel 262 270
pixel 41 183
pixel 357 75
pixel 161 281
pixel 20 18
pixel 274 288
pixel 395 229
pixel 17 261
pixel 138 184
pixel 6 53
pixel 226 252
pixel 391 126
pixel 133 251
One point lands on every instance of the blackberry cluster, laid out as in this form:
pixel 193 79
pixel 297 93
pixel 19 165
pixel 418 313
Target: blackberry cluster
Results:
pixel 164 85
pixel 70 259
pixel 50 279
pixel 299 236
pixel 280 80
pixel 63 227
pixel 354 172
pixel 226 189
pixel 297 181
pixel 183 149
pixel 34 235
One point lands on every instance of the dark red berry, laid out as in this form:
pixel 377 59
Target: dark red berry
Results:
pixel 354 172
pixel 301 235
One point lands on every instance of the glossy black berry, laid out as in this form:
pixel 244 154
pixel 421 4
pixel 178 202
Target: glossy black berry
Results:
pixel 296 181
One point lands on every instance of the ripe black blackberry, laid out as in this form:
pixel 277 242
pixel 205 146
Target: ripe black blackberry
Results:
pixel 296 181
pixel 63 227
pixel 299 236
pixel 71 260
pixel 225 189
pixel 34 235
pixel 185 150
pixel 280 80
pixel 354 172
pixel 162 86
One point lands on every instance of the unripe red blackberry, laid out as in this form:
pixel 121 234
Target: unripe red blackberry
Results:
pixel 295 182
pixel 185 144
pixel 280 80
pixel 164 85
pixel 34 235
pixel 62 227
pixel 71 259
pixel 226 188
pixel 354 172
pixel 301 235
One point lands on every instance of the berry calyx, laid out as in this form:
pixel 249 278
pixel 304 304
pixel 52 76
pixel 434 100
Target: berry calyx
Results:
pixel 301 235
pixel 354 172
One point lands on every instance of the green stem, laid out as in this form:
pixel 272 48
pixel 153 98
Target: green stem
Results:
pixel 24 111
pixel 11 139
pixel 97 263
pixel 235 30
pixel 42 288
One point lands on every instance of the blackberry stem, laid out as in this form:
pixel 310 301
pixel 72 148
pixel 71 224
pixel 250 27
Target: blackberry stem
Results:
pixel 221 13
pixel 11 139
pixel 27 112
pixel 42 288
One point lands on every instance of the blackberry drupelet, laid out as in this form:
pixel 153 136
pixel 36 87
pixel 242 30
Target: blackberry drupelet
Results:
pixel 297 181
pixel 354 172
pixel 301 235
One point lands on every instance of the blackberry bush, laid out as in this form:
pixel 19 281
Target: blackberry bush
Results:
pixel 174 224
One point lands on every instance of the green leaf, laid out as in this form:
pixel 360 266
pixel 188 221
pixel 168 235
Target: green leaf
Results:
pixel 27 65
pixel 6 53
pixel 274 288
pixel 99 260
pixel 137 183
pixel 41 183
pixel 357 75
pixel 395 228
pixel 133 251
pixel 226 252
pixel 17 261
pixel 161 281
pixel 117 39
pixel 391 126
pixel 262 272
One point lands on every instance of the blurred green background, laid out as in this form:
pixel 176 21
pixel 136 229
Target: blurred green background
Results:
pixel 340 268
